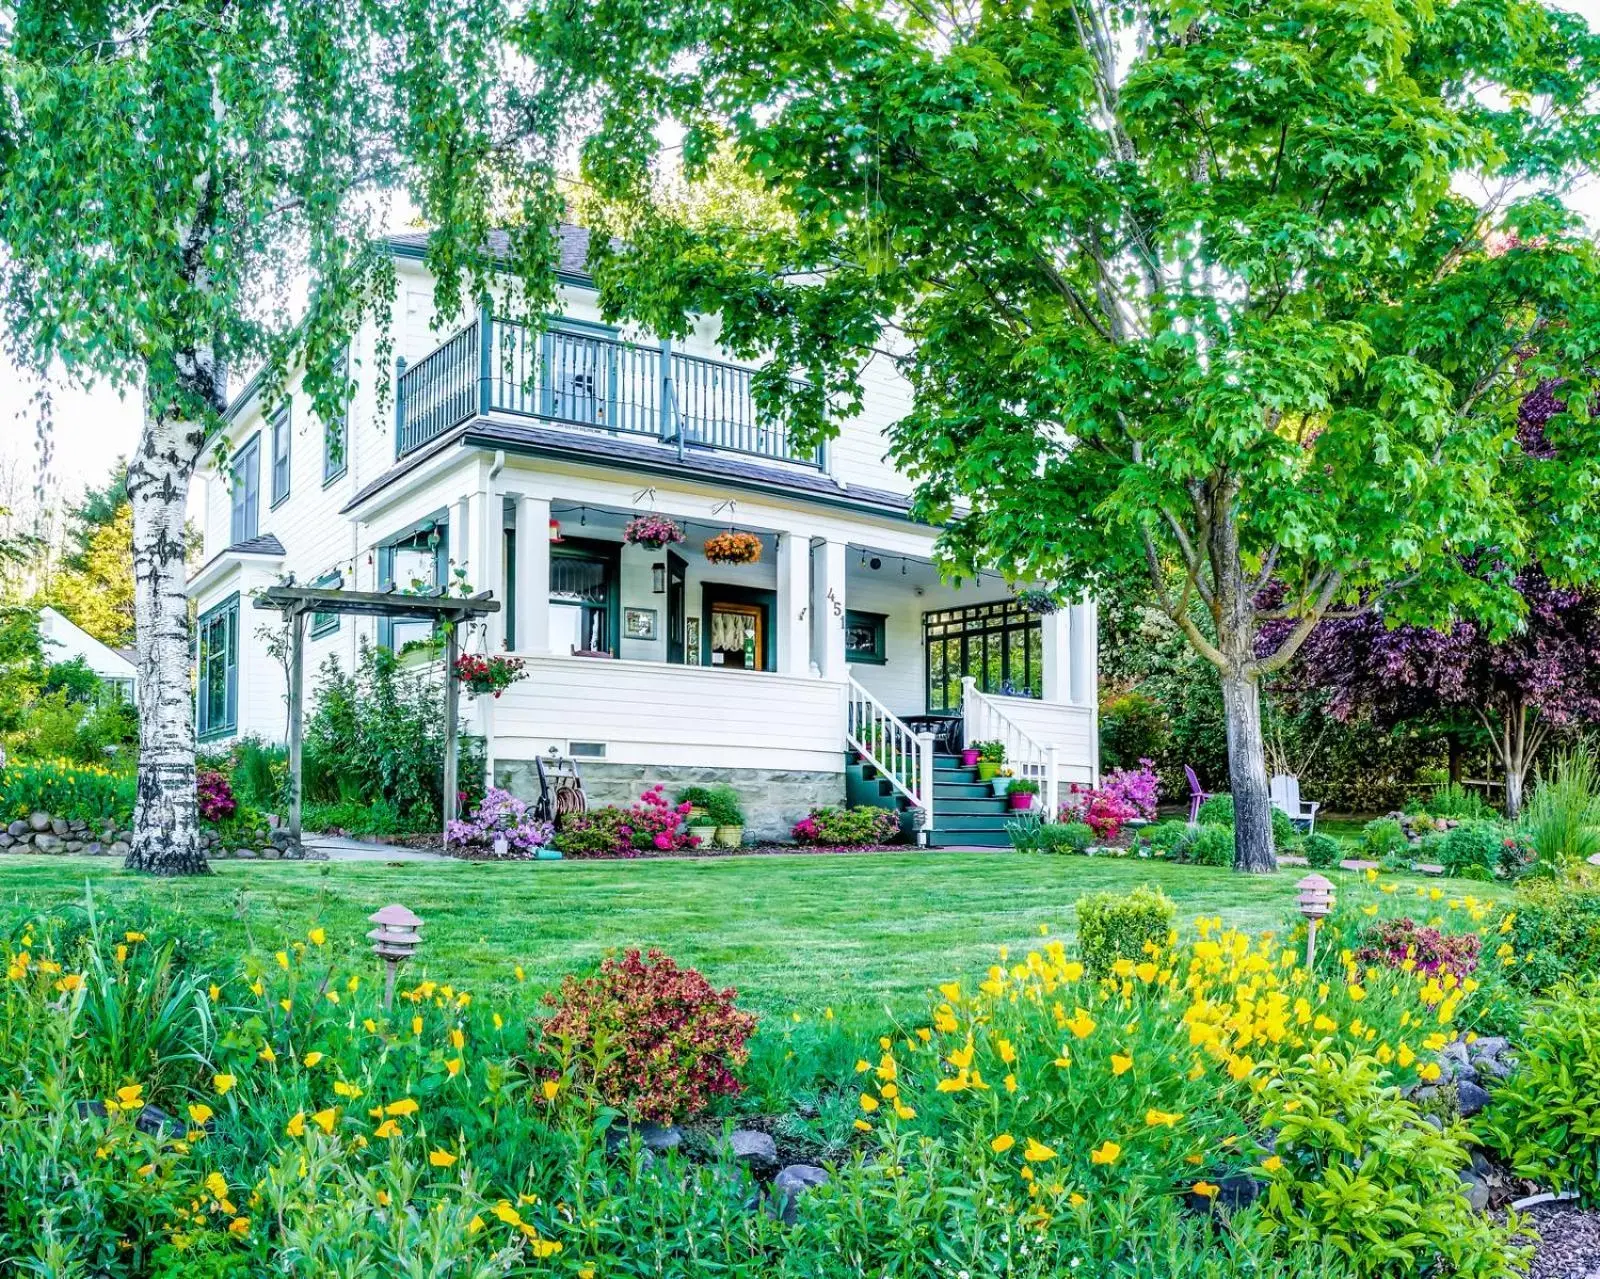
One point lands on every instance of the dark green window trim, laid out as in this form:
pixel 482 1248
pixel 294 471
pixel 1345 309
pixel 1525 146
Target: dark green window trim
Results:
pixel 720 593
pixel 280 431
pixel 438 522
pixel 217 639
pixel 610 555
pixel 337 430
pixel 326 623
pixel 244 496
pixel 877 655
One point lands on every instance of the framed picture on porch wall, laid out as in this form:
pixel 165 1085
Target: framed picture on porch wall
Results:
pixel 691 645
pixel 639 623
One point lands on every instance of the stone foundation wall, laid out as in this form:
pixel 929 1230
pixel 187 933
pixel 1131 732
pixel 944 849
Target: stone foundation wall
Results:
pixel 42 833
pixel 773 801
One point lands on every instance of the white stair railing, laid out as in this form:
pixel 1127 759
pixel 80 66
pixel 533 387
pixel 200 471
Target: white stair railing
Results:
pixel 891 746
pixel 985 720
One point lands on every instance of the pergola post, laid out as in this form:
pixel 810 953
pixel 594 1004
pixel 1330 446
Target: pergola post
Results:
pixel 297 687
pixel 452 713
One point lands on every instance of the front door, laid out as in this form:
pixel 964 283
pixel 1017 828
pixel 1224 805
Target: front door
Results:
pixel 677 585
pixel 737 635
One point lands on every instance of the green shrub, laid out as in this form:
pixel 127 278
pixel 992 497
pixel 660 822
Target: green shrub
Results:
pixel 1455 800
pixel 1544 1121
pixel 260 773
pixel 1323 850
pixel 722 806
pixel 1562 819
pixel 77 792
pixel 847 827
pixel 1382 837
pixel 696 797
pixel 594 833
pixel 1113 926
pixel 1164 837
pixel 1472 850
pixel 1363 1172
pixel 991 752
pixel 1210 846
pixel 1216 811
pixel 1554 934
pixel 1285 837
pixel 1065 837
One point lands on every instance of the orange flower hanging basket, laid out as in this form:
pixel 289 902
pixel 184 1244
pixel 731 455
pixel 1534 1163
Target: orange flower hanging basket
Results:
pixel 733 548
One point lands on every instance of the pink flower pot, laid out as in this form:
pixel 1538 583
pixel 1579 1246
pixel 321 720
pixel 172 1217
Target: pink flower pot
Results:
pixel 969 758
pixel 1019 801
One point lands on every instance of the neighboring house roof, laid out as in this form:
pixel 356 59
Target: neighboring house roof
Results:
pixel 266 546
pixel 661 459
pixel 572 244
pixel 66 640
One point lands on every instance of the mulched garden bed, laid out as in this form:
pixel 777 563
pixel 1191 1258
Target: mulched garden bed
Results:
pixel 682 854
pixel 1569 1241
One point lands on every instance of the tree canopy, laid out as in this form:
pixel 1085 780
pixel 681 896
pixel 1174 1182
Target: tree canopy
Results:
pixel 1232 295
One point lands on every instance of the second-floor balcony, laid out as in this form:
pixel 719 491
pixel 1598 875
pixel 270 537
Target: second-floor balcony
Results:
pixel 589 381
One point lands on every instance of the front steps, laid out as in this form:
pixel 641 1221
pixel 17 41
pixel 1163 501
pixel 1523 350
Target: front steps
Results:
pixel 966 812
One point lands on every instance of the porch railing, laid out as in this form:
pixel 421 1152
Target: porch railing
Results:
pixel 886 742
pixel 585 379
pixel 985 720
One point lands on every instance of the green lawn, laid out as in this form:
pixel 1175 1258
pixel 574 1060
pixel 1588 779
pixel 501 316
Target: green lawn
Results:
pixel 788 931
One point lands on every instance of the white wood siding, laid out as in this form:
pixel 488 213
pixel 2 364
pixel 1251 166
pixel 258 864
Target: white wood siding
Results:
pixel 1068 728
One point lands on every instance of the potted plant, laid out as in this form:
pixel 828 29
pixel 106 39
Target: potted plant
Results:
pixel 480 674
pixel 969 757
pixel 723 811
pixel 991 755
pixel 1039 603
pixel 1020 796
pixel 699 821
pixel 733 547
pixel 651 531
pixel 1001 782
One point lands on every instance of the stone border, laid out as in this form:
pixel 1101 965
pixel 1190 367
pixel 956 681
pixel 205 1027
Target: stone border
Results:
pixel 41 833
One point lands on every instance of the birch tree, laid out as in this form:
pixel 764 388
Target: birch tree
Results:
pixel 191 190
pixel 1241 297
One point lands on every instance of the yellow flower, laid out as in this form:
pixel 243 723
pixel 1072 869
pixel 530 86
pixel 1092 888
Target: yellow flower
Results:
pixel 239 1227
pixel 520 975
pixel 388 1129
pixel 318 936
pixel 453 1066
pixel 1272 1163
pixel 1107 1153
pixel 441 1158
pixel 200 1113
pixel 457 1040
pixel 132 937
pixel 283 959
pixel 869 1103
pixel 222 1083
pixel 1240 1067
pixel 1205 1188
pixel 1002 1143
pixel 1081 1024
pixel 217 1184
pixel 326 1119
pixel 1076 1200
pixel 370 1026
pixel 1356 993
pixel 1429 1070
pixel 1072 971
pixel 1035 1152
pixel 416 1025
pixel 312 1058
pixel 1121 1063
pixel 405 1106
pixel 346 1090
pixel 863 1125
pixel 297 1125
pixel 1155 1118
pixel 266 1054
pixel 131 1095
pixel 551 1087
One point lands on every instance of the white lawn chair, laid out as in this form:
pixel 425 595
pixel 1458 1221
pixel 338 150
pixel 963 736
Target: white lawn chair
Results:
pixel 1285 793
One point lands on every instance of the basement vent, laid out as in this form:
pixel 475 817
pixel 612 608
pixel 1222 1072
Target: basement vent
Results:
pixel 586 750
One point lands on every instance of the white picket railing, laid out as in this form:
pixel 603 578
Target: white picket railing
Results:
pixel 886 742
pixel 984 720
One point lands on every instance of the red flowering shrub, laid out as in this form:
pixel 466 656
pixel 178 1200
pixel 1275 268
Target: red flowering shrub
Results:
pixel 214 795
pixel 652 1039
pixel 1101 810
pixel 1393 942
pixel 650 824
pixel 654 823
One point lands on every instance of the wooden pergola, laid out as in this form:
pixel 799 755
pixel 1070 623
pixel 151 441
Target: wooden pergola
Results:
pixel 296 603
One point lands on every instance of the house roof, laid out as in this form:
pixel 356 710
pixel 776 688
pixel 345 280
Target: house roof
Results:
pixel 533 440
pixel 266 545
pixel 59 631
pixel 572 247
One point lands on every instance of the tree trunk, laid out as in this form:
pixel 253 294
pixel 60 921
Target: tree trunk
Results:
pixel 1247 775
pixel 1453 746
pixel 165 829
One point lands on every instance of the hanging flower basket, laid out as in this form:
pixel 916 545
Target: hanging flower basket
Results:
pixel 652 532
pixel 733 548
pixel 479 674
pixel 1039 603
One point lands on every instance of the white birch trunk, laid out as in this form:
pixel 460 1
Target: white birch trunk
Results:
pixel 165 825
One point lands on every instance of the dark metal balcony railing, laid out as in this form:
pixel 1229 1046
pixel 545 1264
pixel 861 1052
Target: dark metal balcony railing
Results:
pixel 588 380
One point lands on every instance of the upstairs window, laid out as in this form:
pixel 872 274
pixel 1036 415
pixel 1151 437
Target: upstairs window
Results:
pixel 336 432
pixel 244 475
pixel 280 455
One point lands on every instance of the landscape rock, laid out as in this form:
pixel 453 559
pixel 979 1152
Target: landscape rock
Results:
pixel 755 1148
pixel 120 849
pixel 655 1138
pixel 39 821
pixel 5 840
pixel 18 827
pixel 60 826
pixel 46 842
pixel 789 1185
pixel 1470 1097
pixel 1475 1188
pixel 95 849
pixel 1488 1046
pixel 1497 1067
pixel 74 846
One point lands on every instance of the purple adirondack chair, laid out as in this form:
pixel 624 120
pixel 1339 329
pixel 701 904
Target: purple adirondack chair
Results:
pixel 1196 795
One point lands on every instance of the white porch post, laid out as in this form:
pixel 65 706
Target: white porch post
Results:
pixel 828 604
pixel 1084 622
pixel 533 575
pixel 1056 635
pixel 489 574
pixel 794 600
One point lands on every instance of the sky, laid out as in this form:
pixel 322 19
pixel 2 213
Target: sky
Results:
pixel 95 426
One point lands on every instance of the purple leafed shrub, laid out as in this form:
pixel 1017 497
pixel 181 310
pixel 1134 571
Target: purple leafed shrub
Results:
pixel 1394 942
pixel 1138 789
pixel 215 796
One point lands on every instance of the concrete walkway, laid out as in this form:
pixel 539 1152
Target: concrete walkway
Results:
pixel 340 849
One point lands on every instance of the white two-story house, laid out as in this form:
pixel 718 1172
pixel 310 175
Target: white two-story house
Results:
pixel 517 453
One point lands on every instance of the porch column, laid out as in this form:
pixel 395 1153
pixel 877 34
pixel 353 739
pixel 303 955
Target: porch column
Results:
pixel 1085 647
pixel 828 607
pixel 489 574
pixel 533 575
pixel 794 601
pixel 1056 634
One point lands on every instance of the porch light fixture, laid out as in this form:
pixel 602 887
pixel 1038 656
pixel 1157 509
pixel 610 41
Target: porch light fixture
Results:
pixel 658 579
pixel 555 530
pixel 394 940
pixel 1316 903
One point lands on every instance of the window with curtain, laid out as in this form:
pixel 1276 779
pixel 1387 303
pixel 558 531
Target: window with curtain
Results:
pixel 244 476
